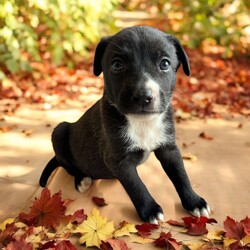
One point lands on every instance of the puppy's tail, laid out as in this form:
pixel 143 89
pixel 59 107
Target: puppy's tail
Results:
pixel 50 167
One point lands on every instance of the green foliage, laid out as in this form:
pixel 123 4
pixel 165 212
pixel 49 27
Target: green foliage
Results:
pixel 222 22
pixel 60 28
pixel 203 22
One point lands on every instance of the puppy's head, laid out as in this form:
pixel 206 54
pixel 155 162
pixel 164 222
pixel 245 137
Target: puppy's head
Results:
pixel 139 65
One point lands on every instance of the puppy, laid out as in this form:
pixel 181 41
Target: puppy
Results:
pixel 133 118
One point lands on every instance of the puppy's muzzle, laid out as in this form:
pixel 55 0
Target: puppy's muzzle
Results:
pixel 142 97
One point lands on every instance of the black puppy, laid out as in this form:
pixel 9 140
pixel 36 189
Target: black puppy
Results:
pixel 133 118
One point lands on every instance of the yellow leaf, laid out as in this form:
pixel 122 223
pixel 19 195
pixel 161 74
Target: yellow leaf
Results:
pixel 246 240
pixel 214 236
pixel 125 230
pixel 141 240
pixel 228 242
pixel 95 229
pixel 5 223
pixel 196 246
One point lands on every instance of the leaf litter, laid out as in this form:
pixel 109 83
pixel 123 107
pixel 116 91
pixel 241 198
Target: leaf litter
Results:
pixel 48 226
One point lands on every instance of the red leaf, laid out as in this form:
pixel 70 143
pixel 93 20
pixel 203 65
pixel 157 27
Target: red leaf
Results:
pixel 100 202
pixel 167 241
pixel 114 244
pixel 246 225
pixel 47 211
pixel 62 245
pixel 197 226
pixel 197 229
pixel 145 229
pixel 48 245
pixel 65 245
pixel 19 244
pixel 176 223
pixel 7 235
pixel 194 220
pixel 79 216
pixel 234 229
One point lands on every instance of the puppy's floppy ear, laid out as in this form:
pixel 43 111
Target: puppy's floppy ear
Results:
pixel 182 56
pixel 100 49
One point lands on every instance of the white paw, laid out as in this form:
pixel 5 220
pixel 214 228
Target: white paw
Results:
pixel 155 220
pixel 84 185
pixel 201 212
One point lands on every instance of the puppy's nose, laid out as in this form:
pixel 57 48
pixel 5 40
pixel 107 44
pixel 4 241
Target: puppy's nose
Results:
pixel 142 96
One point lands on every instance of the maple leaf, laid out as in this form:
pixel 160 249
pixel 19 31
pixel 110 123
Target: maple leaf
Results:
pixel 246 225
pixel 197 226
pixel 6 236
pixel 166 240
pixel 47 211
pixel 100 202
pixel 19 244
pixel 125 229
pixel 234 229
pixel 145 229
pixel 114 244
pixel 95 229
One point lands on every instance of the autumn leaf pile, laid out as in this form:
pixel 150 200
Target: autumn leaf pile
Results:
pixel 48 226
pixel 216 86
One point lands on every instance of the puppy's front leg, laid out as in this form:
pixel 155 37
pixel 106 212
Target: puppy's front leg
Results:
pixel 172 163
pixel 146 207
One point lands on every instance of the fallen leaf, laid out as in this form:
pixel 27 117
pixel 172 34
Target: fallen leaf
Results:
pixel 141 240
pixel 6 236
pixel 176 223
pixel 246 225
pixel 95 229
pixel 166 240
pixel 19 244
pixel 197 226
pixel 100 202
pixel 246 240
pixel 189 157
pixel 79 216
pixel 240 125
pixel 234 229
pixel 5 223
pixel 214 236
pixel 230 243
pixel 114 244
pixel 65 245
pixel 47 211
pixel 27 132
pixel 7 128
pixel 205 136
pixel 125 230
pixel 145 229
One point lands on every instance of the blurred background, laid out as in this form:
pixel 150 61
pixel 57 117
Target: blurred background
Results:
pixel 47 48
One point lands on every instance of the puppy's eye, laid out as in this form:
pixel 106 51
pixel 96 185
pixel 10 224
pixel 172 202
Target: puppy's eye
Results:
pixel 164 64
pixel 117 65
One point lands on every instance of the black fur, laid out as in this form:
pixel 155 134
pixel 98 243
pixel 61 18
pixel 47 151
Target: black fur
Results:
pixel 95 145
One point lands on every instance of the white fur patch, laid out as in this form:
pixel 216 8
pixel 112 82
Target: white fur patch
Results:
pixel 145 132
pixel 154 87
pixel 201 212
pixel 84 185
pixel 155 220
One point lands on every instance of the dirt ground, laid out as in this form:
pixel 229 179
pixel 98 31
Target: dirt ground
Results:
pixel 218 169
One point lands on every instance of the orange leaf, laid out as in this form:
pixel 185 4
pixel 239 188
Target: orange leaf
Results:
pixel 47 211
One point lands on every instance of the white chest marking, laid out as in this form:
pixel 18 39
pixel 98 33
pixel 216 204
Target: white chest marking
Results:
pixel 145 132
